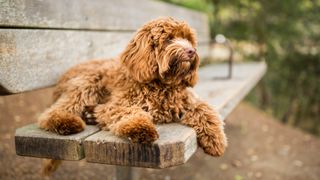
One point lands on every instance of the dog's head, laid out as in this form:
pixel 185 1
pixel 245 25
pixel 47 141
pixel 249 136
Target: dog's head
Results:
pixel 163 49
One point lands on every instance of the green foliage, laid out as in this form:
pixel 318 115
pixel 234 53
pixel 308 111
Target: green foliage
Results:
pixel 199 5
pixel 294 90
pixel 238 177
pixel 288 36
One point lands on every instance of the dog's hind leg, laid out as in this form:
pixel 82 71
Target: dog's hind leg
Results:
pixel 72 96
pixel 80 87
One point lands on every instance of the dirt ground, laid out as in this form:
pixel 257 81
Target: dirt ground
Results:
pixel 259 148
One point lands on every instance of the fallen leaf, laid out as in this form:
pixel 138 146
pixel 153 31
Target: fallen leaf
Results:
pixel 223 166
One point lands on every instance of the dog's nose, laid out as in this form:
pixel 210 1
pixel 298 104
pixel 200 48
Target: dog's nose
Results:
pixel 190 52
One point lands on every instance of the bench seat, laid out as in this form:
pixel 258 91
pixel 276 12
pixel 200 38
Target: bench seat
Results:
pixel 176 143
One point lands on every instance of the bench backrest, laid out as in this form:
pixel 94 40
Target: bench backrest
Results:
pixel 39 40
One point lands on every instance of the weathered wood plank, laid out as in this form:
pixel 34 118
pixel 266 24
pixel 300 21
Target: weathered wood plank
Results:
pixel 175 146
pixel 104 147
pixel 225 94
pixel 32 59
pixel 32 141
pixel 117 15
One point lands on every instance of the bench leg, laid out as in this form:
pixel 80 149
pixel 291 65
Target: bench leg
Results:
pixel 123 173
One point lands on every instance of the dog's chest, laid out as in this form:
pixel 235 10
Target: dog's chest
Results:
pixel 165 105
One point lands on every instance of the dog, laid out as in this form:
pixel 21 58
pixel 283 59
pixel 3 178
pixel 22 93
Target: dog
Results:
pixel 148 83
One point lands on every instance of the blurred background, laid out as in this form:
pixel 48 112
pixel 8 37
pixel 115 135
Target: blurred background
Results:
pixel 286 34
pixel 273 134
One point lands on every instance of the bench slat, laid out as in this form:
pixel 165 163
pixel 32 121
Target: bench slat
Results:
pixel 32 59
pixel 32 141
pixel 116 15
pixel 175 146
pixel 225 94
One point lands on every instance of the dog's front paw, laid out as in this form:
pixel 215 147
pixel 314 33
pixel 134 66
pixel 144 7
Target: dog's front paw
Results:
pixel 143 134
pixel 215 140
pixel 209 128
pixel 88 115
pixel 138 130
pixel 214 145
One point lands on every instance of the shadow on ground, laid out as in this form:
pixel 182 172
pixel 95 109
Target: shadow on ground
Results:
pixel 259 148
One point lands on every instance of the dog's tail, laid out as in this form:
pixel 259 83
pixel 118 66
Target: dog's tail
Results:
pixel 50 166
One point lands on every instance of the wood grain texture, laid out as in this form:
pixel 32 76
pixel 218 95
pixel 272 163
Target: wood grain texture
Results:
pixel 175 146
pixel 32 141
pixel 32 59
pixel 101 15
pixel 225 94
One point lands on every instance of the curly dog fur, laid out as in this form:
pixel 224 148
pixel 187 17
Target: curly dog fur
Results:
pixel 147 84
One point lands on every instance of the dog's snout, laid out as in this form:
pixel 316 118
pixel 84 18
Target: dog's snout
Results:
pixel 190 52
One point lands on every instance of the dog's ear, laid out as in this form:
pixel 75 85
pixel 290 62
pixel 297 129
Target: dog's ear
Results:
pixel 139 57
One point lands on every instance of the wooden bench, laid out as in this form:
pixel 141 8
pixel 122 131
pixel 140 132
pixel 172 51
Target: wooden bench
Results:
pixel 42 39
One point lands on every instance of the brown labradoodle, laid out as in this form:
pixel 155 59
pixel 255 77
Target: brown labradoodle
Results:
pixel 147 84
